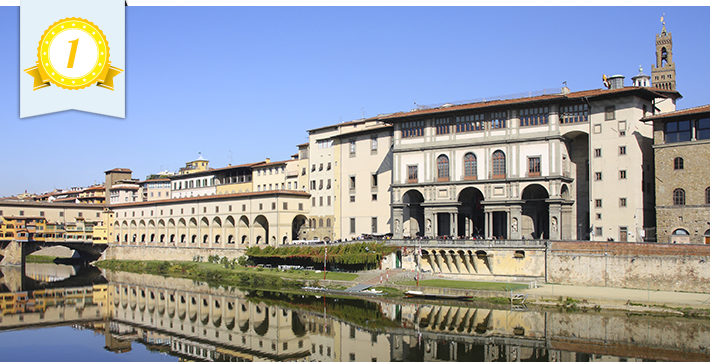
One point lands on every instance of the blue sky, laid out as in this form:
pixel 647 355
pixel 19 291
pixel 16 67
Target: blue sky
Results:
pixel 241 84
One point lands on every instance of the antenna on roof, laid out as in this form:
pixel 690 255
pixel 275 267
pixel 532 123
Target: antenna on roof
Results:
pixel 363 112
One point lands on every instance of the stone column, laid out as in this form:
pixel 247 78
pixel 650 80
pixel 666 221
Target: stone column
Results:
pixel 428 220
pixel 489 224
pixel 435 224
pixel 454 224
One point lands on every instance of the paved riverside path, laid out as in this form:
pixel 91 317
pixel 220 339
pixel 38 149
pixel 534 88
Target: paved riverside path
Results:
pixel 618 295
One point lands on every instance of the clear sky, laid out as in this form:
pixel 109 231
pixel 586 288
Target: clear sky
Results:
pixel 241 84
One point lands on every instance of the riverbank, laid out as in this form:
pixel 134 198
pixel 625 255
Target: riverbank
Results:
pixel 543 296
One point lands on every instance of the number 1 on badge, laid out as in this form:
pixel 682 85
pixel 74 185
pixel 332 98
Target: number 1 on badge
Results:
pixel 72 53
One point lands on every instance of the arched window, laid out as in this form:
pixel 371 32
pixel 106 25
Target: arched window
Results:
pixel 320 223
pixel 470 167
pixel 678 197
pixel 327 222
pixel 678 163
pixel 442 164
pixel 707 195
pixel 498 164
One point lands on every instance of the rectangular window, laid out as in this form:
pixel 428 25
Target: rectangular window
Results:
pixel 313 201
pixel 412 174
pixel 622 174
pixel 373 144
pixel 609 113
pixel 622 150
pixel 352 198
pixel 533 116
pixel 22 213
pixel 300 206
pixel 328 200
pixel 622 202
pixel 597 176
pixel 352 182
pixel 575 114
pixel 320 201
pixel 599 216
pixel 470 123
pixel 622 128
pixel 285 206
pixel 81 214
pixel 261 206
pixel 498 119
pixel 412 129
pixel 328 167
pixel 534 166
pixel 216 209
pixel 678 131
pixel 374 225
pixel 303 171
pixel 98 214
pixel 273 206
pixel 320 185
pixel 313 167
pixel 320 167
pixel 442 125
pixel 352 231
pixel 702 129
pixel 598 231
pixel 353 148
pixel 41 213
pixel 61 214
pixel 313 184
pixel 374 197
pixel 597 152
pixel 244 207
pixel 598 203
pixel 374 180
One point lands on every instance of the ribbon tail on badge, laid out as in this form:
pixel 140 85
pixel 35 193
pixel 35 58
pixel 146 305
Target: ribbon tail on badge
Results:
pixel 40 78
pixel 107 82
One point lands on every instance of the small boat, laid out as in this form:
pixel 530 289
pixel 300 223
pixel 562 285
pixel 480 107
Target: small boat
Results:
pixel 418 294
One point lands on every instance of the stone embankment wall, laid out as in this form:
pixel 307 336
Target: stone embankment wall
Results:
pixel 668 267
pixel 130 252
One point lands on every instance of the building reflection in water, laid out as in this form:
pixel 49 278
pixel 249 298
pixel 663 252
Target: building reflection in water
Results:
pixel 194 322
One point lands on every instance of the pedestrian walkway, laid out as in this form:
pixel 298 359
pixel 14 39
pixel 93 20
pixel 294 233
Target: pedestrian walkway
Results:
pixel 618 295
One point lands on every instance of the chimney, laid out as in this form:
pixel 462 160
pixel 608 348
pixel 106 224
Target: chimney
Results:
pixel 268 160
pixel 616 81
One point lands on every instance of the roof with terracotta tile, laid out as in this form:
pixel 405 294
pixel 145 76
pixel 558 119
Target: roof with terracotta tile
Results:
pixel 680 113
pixel 593 93
pixel 119 170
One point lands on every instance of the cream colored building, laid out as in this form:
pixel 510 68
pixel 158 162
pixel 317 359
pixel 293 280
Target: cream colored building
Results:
pixel 234 179
pixel 156 189
pixel 323 183
pixel 365 170
pixel 216 221
pixel 193 184
pixel 554 166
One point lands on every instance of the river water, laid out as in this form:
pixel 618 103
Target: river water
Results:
pixel 64 313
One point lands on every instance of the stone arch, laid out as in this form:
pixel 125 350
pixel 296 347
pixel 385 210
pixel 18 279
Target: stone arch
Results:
pixel 413 214
pixel 182 230
pixel 171 231
pixel 297 227
pixel 243 230
pixel 261 229
pixel 216 229
pixel 471 215
pixel 133 230
pixel 204 230
pixel 151 231
pixel 230 230
pixel 535 212
pixel 162 231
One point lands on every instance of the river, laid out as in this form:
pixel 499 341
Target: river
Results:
pixel 66 313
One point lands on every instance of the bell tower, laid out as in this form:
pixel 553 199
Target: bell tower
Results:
pixel 663 73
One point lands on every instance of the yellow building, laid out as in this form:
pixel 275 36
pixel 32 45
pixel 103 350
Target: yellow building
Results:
pixel 198 165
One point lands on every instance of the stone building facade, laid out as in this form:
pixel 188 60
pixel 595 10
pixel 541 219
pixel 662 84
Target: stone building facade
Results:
pixel 571 165
pixel 682 156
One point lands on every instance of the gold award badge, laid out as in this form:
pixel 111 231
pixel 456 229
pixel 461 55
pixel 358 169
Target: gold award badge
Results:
pixel 73 53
